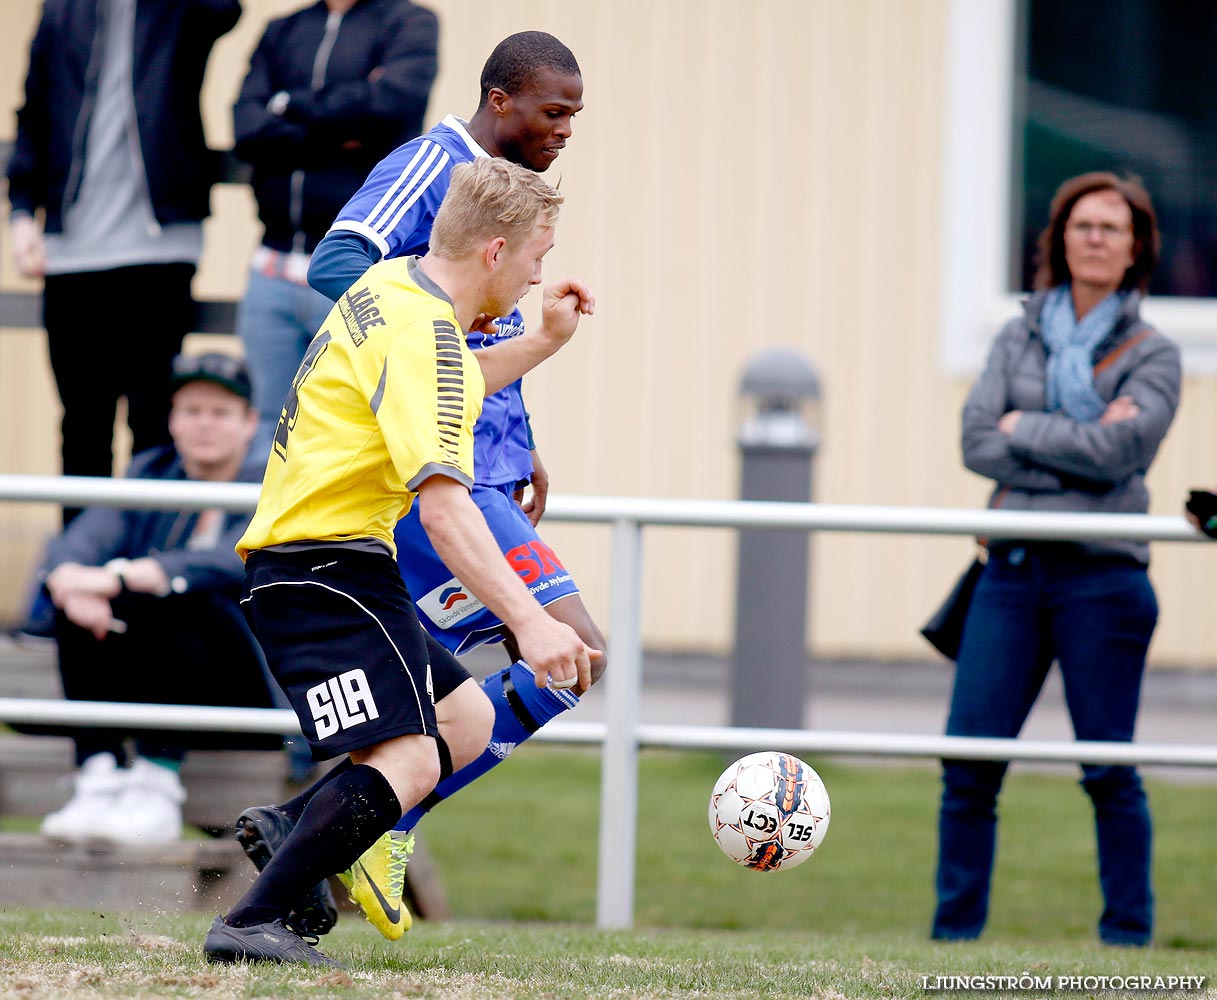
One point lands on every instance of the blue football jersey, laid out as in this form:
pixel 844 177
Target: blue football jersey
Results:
pixel 395 209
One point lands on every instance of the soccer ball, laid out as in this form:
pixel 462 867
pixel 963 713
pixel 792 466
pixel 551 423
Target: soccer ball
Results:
pixel 769 811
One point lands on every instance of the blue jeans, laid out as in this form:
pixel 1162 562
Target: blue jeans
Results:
pixel 1095 616
pixel 276 321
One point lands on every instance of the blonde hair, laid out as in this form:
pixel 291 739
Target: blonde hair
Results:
pixel 491 197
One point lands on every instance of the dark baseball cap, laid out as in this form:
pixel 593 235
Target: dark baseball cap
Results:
pixel 222 369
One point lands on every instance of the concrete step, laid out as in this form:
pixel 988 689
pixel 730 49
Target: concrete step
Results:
pixel 208 875
pixel 35 771
pixel 36 779
pixel 28 671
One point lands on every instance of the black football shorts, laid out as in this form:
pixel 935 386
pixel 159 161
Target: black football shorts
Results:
pixel 342 638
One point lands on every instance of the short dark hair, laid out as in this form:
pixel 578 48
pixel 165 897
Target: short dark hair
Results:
pixel 515 60
pixel 1051 268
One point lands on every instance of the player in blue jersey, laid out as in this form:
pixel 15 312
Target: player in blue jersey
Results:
pixel 531 89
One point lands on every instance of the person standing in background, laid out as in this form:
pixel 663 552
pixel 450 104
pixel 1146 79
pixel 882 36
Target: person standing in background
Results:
pixel 331 89
pixel 1068 414
pixel 110 152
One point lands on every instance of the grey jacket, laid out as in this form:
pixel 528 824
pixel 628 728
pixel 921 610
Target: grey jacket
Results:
pixel 1053 462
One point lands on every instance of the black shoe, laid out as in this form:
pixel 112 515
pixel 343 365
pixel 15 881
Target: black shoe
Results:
pixel 269 942
pixel 261 830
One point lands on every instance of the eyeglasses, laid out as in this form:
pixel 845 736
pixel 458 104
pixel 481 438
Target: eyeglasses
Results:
pixel 1109 231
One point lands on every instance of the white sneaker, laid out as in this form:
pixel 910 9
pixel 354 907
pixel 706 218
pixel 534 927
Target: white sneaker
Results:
pixel 99 783
pixel 149 809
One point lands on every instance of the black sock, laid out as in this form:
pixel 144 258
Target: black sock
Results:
pixel 342 820
pixel 294 807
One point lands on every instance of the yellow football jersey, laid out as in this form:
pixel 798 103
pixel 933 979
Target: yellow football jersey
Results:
pixel 386 396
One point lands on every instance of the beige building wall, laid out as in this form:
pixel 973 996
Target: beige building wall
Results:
pixel 735 182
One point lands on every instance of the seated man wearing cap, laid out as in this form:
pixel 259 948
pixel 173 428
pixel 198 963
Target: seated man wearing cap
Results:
pixel 146 610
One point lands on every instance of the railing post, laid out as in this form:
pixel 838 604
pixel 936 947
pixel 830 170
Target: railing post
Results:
pixel 619 762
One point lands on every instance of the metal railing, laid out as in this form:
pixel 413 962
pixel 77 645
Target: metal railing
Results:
pixel 621 735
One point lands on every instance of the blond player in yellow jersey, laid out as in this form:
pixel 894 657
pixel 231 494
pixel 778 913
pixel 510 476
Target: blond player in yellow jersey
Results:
pixel 381 415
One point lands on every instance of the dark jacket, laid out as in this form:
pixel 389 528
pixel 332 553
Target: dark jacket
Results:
pixel 346 110
pixel 173 39
pixel 104 533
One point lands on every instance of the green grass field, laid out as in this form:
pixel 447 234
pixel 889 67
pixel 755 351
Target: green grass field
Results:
pixel 518 857
pixel 535 823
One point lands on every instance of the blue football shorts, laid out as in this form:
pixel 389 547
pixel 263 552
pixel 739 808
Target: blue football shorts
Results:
pixel 447 608
pixel 341 636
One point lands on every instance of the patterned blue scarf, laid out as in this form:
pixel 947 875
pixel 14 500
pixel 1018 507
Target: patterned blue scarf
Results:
pixel 1071 347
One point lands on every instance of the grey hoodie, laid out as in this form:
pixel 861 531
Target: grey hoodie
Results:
pixel 1053 462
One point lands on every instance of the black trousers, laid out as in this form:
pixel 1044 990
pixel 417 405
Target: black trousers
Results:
pixel 110 334
pixel 179 650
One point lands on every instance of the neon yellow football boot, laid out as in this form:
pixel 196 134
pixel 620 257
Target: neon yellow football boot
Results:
pixel 376 882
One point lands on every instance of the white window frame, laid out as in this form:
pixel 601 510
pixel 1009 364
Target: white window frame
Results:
pixel 977 172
